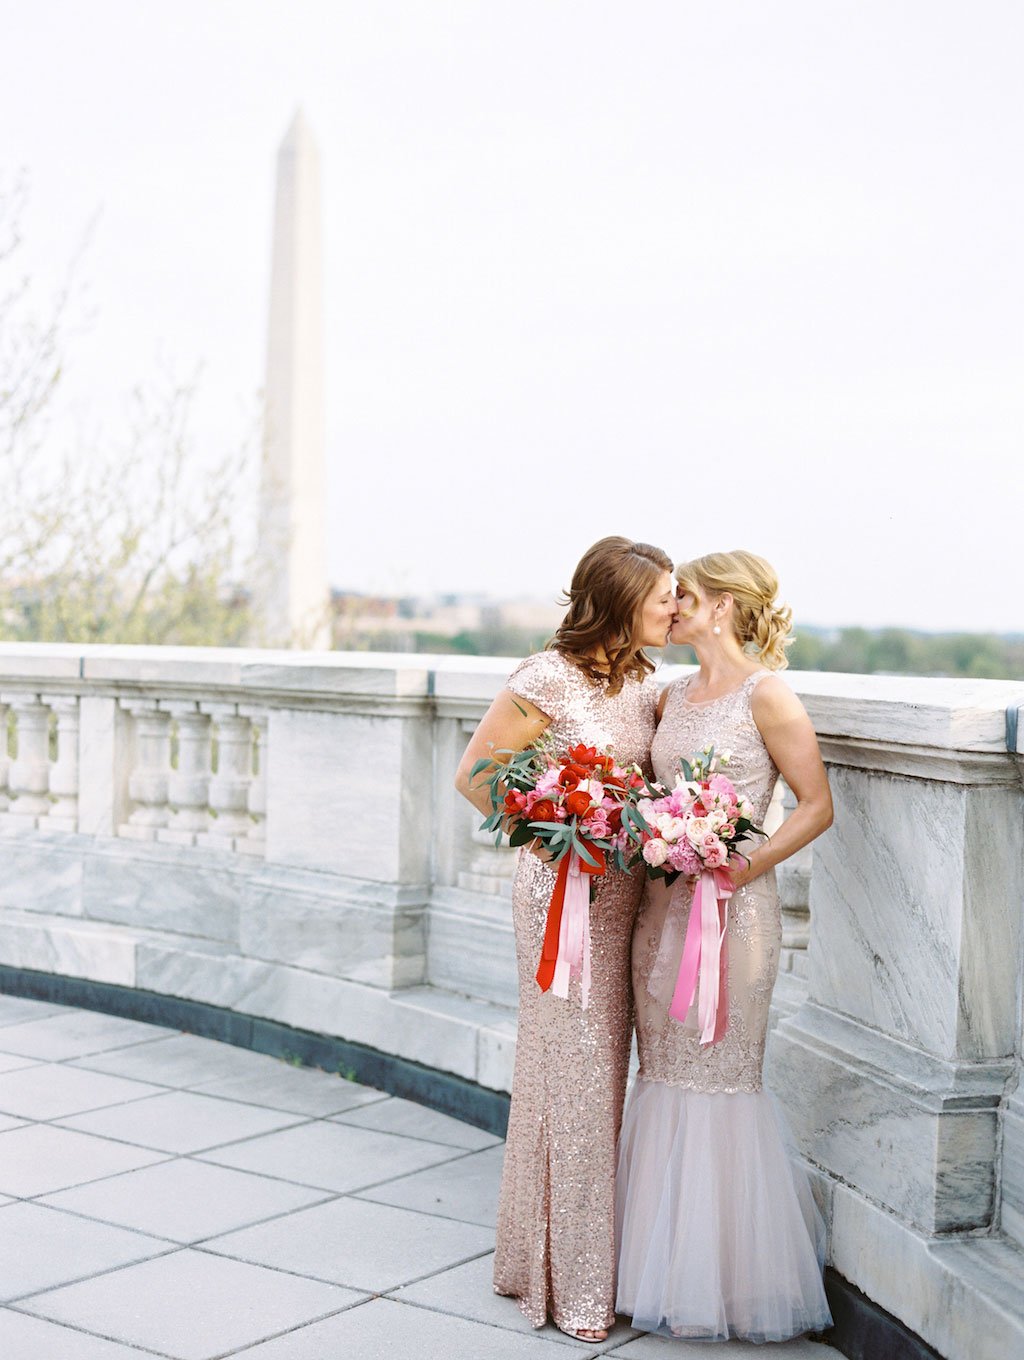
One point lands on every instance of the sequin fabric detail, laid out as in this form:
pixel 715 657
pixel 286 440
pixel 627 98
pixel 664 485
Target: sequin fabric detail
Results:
pixel 671 1052
pixel 555 1245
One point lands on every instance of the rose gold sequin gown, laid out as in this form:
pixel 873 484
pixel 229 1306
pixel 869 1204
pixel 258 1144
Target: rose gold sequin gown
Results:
pixel 718 1232
pixel 555 1250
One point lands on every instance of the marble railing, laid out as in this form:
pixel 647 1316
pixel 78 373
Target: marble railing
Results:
pixel 278 834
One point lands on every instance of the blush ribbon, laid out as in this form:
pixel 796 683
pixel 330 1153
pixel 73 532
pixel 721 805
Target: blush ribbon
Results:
pixel 566 950
pixel 704 955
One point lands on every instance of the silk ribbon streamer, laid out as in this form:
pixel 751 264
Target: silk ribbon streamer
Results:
pixel 566 950
pixel 704 955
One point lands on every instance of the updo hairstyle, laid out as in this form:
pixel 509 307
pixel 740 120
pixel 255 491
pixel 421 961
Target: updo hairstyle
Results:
pixel 606 600
pixel 760 624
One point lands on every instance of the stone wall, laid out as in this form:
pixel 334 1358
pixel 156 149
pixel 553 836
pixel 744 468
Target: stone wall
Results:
pixel 278 834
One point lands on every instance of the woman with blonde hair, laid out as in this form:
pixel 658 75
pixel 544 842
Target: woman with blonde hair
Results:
pixel 555 1250
pixel 718 1235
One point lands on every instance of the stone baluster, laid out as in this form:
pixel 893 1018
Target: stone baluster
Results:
pixel 4 759
pixel 64 774
pixel 188 786
pixel 229 787
pixel 255 843
pixel 29 775
pixel 147 784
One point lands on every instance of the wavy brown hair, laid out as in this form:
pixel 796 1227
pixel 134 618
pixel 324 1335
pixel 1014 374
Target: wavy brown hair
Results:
pixel 606 600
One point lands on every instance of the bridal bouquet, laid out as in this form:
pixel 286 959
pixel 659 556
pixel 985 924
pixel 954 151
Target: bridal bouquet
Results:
pixel 575 807
pixel 694 829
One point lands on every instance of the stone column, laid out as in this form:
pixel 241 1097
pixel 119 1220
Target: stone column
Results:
pixel 349 794
pixel 64 773
pixel 188 786
pixel 147 784
pixel 29 774
pixel 255 842
pixel 229 787
pixel 4 759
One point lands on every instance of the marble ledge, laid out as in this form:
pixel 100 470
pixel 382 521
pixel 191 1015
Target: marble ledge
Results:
pixel 922 762
pixel 938 1085
pixel 964 1297
pixel 471 1039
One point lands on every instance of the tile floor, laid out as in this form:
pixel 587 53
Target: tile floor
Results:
pixel 165 1195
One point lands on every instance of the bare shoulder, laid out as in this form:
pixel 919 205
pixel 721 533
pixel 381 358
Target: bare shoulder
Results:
pixel 774 702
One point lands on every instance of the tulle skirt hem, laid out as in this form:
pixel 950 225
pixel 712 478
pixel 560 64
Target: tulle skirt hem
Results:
pixel 718 1234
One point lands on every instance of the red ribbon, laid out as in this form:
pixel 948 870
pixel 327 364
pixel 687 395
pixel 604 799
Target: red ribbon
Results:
pixel 552 930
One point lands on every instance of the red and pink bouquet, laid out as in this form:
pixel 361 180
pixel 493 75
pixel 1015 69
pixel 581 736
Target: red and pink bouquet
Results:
pixel 694 829
pixel 574 806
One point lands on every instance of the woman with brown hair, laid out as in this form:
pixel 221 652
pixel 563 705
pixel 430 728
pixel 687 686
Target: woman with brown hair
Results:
pixel 593 685
pixel 718 1232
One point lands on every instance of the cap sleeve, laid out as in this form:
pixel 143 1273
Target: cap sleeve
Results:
pixel 541 680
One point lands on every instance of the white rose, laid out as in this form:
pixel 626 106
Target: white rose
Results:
pixel 672 828
pixel 696 829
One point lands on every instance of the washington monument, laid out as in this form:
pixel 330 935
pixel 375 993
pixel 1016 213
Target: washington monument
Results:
pixel 292 590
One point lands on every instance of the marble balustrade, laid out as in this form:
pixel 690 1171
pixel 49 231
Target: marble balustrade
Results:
pixel 278 833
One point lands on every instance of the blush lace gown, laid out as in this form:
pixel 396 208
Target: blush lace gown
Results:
pixel 555 1250
pixel 718 1233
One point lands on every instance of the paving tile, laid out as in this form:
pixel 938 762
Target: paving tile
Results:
pixel 49 1090
pixel 334 1156
pixel 371 1247
pixel 668 1348
pixel 415 1121
pixel 15 1009
pixel 30 1338
pixel 41 1247
pixel 38 1158
pixel 181 1121
pixel 467 1291
pixel 469 1194
pixel 301 1090
pixel 10 1062
pixel 189 1304
pixel 56 1037
pixel 185 1200
pixel 382 1329
pixel 183 1060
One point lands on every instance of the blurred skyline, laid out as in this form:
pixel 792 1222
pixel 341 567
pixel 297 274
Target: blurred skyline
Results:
pixel 724 276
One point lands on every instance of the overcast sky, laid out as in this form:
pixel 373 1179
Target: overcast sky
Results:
pixel 710 275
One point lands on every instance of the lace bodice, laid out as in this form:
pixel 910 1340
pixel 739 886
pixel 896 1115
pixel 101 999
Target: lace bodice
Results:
pixel 728 724
pixel 671 1052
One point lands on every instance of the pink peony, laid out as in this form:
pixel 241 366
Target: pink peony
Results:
pixel 655 851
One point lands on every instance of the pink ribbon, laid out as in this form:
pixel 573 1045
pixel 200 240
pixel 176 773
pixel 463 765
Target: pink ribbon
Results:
pixel 704 956
pixel 574 934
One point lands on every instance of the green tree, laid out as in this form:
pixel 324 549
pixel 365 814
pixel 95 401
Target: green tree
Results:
pixel 130 543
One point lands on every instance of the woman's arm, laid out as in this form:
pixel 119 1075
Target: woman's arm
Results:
pixel 787 732
pixel 510 724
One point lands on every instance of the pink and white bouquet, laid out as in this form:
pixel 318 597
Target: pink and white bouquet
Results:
pixel 694 829
pixel 694 826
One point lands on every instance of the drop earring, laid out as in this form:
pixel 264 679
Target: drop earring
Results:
pixel 716 630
